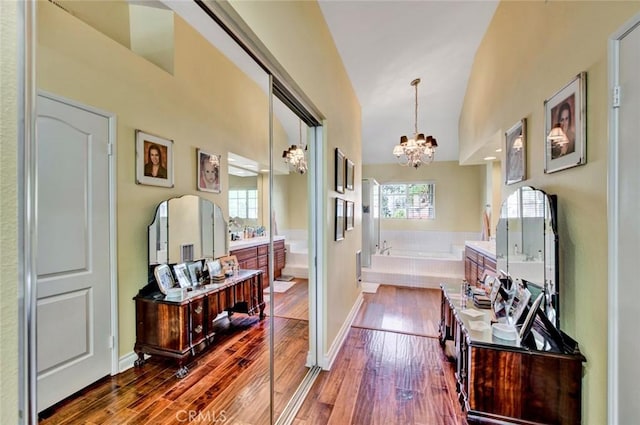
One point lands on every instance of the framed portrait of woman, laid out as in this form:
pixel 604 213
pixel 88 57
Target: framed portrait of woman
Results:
pixel 208 175
pixel 566 126
pixel 154 160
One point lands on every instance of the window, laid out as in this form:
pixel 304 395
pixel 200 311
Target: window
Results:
pixel 243 203
pixel 414 201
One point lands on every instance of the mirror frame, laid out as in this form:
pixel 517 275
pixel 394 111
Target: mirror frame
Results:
pixel 508 240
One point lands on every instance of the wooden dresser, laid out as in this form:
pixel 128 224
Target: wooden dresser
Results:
pixel 181 329
pixel 257 257
pixel 500 381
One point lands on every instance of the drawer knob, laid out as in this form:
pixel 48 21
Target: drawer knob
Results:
pixel 198 329
pixel 198 309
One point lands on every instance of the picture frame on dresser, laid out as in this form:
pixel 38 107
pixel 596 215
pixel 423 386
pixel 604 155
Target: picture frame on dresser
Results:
pixel 182 274
pixel 164 278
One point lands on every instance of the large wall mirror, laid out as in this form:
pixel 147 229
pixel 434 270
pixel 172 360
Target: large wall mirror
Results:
pixel 166 68
pixel 527 245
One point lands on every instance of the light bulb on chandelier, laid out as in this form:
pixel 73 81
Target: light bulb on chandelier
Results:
pixel 418 149
pixel 295 155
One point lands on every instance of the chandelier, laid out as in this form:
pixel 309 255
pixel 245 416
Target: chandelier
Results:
pixel 295 157
pixel 417 150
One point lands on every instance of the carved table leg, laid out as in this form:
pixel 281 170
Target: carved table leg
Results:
pixel 140 361
pixel 262 315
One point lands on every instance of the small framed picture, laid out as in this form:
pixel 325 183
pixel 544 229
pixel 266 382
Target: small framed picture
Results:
pixel 182 273
pixel 154 160
pixel 566 126
pixel 214 267
pixel 195 272
pixel 349 222
pixel 339 171
pixel 164 278
pixel 340 224
pixel 350 168
pixel 208 172
pixel 516 152
pixel 229 263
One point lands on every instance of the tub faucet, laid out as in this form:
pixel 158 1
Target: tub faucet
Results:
pixel 385 248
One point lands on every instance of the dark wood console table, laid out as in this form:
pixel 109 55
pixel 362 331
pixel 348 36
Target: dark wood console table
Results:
pixel 180 329
pixel 501 381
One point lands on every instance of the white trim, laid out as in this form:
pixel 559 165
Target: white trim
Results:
pixel 613 231
pixel 127 361
pixel 316 237
pixel 330 357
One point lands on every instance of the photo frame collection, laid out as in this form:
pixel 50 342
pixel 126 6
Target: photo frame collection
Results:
pixel 344 180
pixel 565 126
pixel 154 164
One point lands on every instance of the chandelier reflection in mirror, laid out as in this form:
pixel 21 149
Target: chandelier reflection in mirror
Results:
pixel 416 150
pixel 295 155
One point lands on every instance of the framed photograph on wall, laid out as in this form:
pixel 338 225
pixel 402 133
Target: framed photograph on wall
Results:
pixel 339 171
pixel 340 213
pixel 566 127
pixel 208 172
pixel 516 153
pixel 350 169
pixel 154 160
pixel 349 222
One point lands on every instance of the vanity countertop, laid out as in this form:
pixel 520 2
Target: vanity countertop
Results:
pixel 248 243
pixel 485 247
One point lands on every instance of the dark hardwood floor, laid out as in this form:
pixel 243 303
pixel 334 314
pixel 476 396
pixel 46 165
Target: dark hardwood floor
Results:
pixel 293 304
pixel 414 311
pixel 388 376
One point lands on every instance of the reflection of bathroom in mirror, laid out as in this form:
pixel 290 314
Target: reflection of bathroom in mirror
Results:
pixel 527 244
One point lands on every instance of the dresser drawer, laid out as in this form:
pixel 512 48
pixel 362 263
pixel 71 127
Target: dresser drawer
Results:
pixel 263 249
pixel 245 253
pixel 197 312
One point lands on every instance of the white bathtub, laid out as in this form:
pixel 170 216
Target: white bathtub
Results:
pixel 413 266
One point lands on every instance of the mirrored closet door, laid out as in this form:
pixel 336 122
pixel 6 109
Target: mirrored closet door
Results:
pixel 162 86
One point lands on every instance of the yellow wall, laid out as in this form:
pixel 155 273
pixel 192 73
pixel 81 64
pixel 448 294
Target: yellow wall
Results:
pixel 531 50
pixel 297 35
pixel 459 194
pixel 8 213
pixel 203 105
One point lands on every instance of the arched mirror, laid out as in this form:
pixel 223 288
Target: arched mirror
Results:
pixel 185 229
pixel 527 245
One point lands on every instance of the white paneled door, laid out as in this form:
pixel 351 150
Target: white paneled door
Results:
pixel 73 316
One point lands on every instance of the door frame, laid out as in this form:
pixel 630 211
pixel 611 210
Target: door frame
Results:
pixel 613 225
pixel 30 251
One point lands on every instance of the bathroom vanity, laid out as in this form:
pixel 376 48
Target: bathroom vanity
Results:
pixel 479 259
pixel 253 253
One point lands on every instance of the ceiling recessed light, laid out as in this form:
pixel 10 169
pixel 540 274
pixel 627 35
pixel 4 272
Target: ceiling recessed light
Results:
pixel 489 158
pixel 499 150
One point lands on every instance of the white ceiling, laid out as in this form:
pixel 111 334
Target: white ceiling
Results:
pixel 386 44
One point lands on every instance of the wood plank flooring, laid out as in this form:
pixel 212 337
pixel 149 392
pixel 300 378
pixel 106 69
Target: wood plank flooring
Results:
pixel 388 376
pixel 293 304
pixel 414 311
pixel 229 382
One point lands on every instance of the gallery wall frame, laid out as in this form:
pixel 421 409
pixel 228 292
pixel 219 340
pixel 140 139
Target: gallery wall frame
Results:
pixel 208 174
pixel 350 172
pixel 339 219
pixel 516 153
pixel 154 160
pixel 566 111
pixel 339 166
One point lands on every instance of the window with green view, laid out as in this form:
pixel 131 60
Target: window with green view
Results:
pixel 413 201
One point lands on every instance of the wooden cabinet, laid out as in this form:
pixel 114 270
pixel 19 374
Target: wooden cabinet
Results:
pixel 476 264
pixel 257 257
pixel 181 329
pixel 500 381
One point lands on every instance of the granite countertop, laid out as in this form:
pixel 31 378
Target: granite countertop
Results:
pixel 250 242
pixel 485 247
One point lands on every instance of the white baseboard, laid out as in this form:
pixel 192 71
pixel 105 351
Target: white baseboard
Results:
pixel 126 361
pixel 330 356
